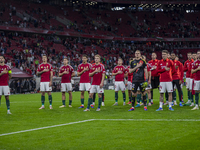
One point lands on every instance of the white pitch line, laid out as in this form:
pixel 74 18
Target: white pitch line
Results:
pixel 156 120
pixel 141 120
pixel 59 125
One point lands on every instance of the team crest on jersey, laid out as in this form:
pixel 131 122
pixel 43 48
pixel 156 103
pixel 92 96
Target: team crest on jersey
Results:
pixel 47 67
pixel 134 63
pixel 62 68
pixel 155 63
pixel 93 68
pixel 175 64
pixel 116 68
pixel 42 67
pixel 166 63
pixel 81 67
pixel 196 64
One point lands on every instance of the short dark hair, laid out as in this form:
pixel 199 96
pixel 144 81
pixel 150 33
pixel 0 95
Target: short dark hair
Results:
pixel 84 56
pixel 173 53
pixel 138 51
pixel 2 56
pixel 165 51
pixel 189 53
pixel 198 51
pixel 154 53
pixel 65 58
pixel 120 58
pixel 44 55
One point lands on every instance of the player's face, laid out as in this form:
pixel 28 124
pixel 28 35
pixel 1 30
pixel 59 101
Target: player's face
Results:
pixel 137 54
pixel 169 56
pixel 189 56
pixel 164 56
pixel 194 56
pixel 198 55
pixel 153 56
pixel 119 62
pixel 65 61
pixel 173 56
pixel 84 59
pixel 97 59
pixel 1 59
pixel 44 59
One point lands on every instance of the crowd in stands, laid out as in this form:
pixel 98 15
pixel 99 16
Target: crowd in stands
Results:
pixel 101 20
pixel 24 51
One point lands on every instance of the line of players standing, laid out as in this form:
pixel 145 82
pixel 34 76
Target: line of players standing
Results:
pixel 166 74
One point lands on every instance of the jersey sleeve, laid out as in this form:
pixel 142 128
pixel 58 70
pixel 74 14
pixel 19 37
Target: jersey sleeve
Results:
pixel 72 69
pixel 125 70
pixel 103 69
pixel 114 70
pixel 79 68
pixel 92 69
pixel 39 69
pixel 185 67
pixel 60 70
pixel 144 64
pixel 50 68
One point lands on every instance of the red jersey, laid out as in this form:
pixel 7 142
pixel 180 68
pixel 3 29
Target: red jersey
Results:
pixel 153 63
pixel 165 76
pixel 45 77
pixel 196 64
pixel 97 77
pixel 178 73
pixel 4 79
pixel 119 77
pixel 66 78
pixel 85 76
pixel 187 69
pixel 130 75
pixel 192 76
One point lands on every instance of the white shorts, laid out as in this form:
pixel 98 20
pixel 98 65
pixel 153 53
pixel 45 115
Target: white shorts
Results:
pixel 119 85
pixel 129 85
pixel 196 85
pixel 66 87
pixel 4 90
pixel 138 89
pixel 149 87
pixel 96 89
pixel 191 81
pixel 166 87
pixel 187 83
pixel 44 87
pixel 84 86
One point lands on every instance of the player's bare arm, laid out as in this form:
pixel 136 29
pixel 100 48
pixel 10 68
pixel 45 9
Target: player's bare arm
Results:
pixel 146 73
pixel 84 70
pixel 73 74
pixel 149 77
pixel 126 75
pixel 10 75
pixel 51 78
pixel 102 80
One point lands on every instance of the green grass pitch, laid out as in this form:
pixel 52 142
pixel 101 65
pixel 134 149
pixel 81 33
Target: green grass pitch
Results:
pixel 143 132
